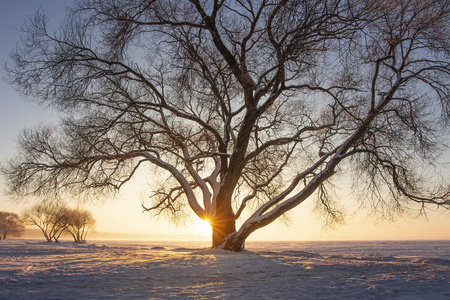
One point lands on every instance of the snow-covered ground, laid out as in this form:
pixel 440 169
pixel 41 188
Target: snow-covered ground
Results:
pixel 32 269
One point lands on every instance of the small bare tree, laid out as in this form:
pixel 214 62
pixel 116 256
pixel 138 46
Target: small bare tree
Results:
pixel 78 224
pixel 49 217
pixel 11 224
pixel 246 108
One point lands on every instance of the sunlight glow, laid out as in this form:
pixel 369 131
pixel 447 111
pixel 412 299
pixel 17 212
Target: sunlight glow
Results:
pixel 202 227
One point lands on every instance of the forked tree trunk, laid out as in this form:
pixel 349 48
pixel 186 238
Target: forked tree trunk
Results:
pixel 224 222
pixel 224 233
pixel 236 240
pixel 222 226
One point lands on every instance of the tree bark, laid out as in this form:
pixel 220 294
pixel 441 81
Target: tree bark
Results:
pixel 222 225
pixel 224 221
pixel 235 242
pixel 224 229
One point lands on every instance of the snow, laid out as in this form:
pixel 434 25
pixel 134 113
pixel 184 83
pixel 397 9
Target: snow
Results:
pixel 32 269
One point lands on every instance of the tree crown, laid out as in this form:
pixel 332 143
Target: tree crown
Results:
pixel 240 104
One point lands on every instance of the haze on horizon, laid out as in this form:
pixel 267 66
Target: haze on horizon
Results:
pixel 124 214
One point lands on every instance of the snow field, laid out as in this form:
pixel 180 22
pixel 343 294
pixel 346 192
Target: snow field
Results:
pixel 32 269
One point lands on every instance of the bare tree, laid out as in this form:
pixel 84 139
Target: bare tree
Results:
pixel 78 224
pixel 11 224
pixel 49 217
pixel 247 108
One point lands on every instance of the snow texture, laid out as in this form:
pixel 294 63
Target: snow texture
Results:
pixel 32 269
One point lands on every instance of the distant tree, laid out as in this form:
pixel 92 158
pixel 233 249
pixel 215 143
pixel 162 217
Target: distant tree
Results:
pixel 78 224
pixel 51 218
pixel 11 224
pixel 246 108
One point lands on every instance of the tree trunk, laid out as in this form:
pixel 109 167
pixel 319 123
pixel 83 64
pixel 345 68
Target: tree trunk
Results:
pixel 221 228
pixel 224 222
pixel 224 232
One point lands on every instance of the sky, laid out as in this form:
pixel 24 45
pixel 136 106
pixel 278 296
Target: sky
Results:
pixel 124 214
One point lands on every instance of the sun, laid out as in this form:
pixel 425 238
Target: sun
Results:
pixel 202 227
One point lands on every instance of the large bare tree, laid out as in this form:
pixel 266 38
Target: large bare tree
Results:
pixel 247 108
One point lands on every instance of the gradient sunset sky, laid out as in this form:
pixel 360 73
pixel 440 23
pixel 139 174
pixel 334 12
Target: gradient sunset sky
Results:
pixel 124 214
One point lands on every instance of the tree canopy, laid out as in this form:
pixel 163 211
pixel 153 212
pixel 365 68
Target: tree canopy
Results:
pixel 78 223
pixel 10 224
pixel 49 217
pixel 246 108
pixel 55 218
